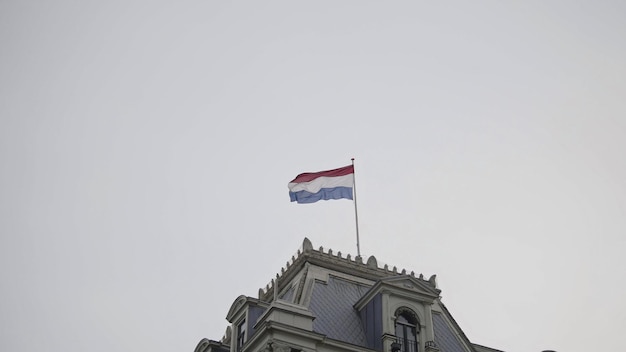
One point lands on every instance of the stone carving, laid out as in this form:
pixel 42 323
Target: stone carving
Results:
pixel 433 280
pixel 372 263
pixel 276 347
pixel 307 246
pixel 227 334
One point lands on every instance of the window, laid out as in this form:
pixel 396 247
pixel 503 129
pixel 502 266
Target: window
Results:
pixel 241 335
pixel 407 329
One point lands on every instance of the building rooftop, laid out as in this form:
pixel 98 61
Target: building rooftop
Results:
pixel 345 302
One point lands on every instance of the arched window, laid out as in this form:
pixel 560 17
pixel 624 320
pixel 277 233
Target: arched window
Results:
pixel 407 330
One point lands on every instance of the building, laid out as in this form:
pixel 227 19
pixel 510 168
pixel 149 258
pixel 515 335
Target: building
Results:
pixel 322 301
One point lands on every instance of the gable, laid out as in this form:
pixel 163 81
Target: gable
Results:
pixel 235 307
pixel 404 286
pixel 413 284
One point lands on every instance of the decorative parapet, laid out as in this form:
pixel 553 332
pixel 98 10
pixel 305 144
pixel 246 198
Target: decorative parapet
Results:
pixel 370 269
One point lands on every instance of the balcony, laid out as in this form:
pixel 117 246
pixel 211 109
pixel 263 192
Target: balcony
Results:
pixel 404 345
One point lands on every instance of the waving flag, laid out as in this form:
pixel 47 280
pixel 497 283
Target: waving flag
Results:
pixel 310 187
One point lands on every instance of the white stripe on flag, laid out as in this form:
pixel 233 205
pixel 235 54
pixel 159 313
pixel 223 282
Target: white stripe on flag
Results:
pixel 323 182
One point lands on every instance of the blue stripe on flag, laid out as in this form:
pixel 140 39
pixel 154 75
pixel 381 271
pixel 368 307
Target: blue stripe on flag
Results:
pixel 323 194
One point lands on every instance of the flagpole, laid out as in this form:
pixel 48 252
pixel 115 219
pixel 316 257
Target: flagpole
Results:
pixel 356 214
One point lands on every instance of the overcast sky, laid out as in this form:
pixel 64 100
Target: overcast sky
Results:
pixel 146 147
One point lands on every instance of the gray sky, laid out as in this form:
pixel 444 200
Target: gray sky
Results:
pixel 145 150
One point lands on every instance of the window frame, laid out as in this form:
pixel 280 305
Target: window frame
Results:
pixel 242 329
pixel 407 331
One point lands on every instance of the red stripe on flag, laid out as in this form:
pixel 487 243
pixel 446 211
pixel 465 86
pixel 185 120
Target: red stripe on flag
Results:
pixel 310 176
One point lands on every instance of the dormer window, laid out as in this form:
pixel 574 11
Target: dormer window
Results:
pixel 407 330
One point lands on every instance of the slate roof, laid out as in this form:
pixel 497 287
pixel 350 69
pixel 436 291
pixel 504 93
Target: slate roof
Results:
pixel 332 304
pixel 444 336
